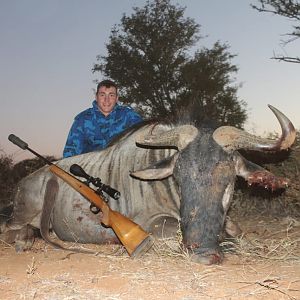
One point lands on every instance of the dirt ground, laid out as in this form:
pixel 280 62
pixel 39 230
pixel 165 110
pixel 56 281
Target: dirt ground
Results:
pixel 265 265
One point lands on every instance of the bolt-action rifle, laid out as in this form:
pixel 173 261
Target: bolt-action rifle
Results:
pixel 135 240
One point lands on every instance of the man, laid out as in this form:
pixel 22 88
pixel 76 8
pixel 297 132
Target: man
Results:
pixel 95 127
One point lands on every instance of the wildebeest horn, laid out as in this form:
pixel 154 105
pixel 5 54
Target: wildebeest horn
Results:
pixel 178 137
pixel 231 138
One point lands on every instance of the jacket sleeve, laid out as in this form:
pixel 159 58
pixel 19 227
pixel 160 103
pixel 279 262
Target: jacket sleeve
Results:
pixel 133 118
pixel 75 141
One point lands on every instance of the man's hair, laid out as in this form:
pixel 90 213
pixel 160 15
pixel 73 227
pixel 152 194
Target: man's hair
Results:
pixel 107 83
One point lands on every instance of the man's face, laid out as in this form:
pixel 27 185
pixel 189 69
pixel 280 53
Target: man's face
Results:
pixel 106 99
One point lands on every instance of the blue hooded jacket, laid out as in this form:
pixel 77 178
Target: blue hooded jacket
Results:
pixel 91 130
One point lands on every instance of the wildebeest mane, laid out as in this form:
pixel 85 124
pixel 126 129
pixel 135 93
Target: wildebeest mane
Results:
pixel 192 112
pixel 129 131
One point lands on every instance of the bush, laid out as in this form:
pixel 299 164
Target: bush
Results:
pixel 6 182
pixel 28 166
pixel 11 174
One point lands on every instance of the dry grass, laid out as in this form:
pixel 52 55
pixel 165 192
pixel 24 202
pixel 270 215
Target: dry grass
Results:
pixel 258 266
pixel 278 243
pixel 171 246
pixel 269 242
pixel 266 249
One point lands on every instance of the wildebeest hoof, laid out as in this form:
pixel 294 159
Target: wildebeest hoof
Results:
pixel 24 239
pixel 21 246
pixel 211 257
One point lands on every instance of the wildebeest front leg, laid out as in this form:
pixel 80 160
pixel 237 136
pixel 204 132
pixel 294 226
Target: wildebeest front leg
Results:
pixel 256 175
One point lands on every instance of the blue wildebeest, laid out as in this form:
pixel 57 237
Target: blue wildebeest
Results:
pixel 165 173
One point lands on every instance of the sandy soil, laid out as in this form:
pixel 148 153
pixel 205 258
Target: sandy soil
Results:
pixel 266 265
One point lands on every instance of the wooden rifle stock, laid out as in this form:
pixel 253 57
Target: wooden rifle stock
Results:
pixel 135 240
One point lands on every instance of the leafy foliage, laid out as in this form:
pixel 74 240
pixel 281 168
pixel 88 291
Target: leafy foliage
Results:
pixel 6 182
pixel 208 79
pixel 286 8
pixel 28 166
pixel 149 57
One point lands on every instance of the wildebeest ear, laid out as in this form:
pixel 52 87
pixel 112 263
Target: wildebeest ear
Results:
pixel 159 170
